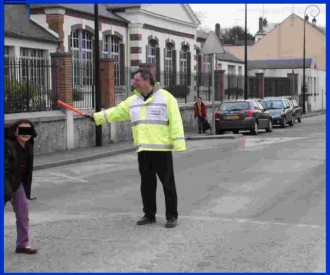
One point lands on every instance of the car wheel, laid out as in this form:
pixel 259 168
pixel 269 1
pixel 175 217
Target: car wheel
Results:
pixel 270 126
pixel 254 130
pixel 235 131
pixel 292 121
pixel 283 124
pixel 299 120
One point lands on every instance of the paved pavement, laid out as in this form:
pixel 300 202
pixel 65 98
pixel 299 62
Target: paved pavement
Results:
pixel 49 160
pixel 93 241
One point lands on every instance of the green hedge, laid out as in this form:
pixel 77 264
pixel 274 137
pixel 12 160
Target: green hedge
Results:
pixel 16 95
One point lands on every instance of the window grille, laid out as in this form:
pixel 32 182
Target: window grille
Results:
pixel 183 65
pixel 111 49
pixel 32 65
pixel 168 64
pixel 152 52
pixel 81 46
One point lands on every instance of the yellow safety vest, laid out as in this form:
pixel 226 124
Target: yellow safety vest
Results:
pixel 156 122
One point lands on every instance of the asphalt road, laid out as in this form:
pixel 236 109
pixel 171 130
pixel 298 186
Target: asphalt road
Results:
pixel 253 204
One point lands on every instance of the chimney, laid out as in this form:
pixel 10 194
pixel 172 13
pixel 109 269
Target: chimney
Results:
pixel 265 22
pixel 260 24
pixel 217 33
pixel 217 30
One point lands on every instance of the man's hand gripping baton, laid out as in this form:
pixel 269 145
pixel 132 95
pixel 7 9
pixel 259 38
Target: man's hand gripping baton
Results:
pixel 67 106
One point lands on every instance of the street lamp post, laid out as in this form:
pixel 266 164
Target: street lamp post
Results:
pixel 314 11
pixel 245 57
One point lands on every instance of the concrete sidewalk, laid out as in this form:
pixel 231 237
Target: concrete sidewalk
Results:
pixel 44 161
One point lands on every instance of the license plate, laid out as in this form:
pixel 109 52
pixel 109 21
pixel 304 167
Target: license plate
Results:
pixel 232 117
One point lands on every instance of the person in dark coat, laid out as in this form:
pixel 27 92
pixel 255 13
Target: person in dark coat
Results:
pixel 19 143
pixel 200 113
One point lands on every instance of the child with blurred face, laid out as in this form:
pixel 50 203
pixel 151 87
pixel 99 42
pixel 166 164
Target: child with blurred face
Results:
pixel 19 142
pixel 23 133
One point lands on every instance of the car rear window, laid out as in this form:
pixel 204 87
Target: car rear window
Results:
pixel 230 106
pixel 274 103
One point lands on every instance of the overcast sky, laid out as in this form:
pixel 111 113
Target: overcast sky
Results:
pixel 229 15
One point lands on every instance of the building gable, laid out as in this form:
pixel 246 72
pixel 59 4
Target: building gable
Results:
pixel 19 25
pixel 180 12
pixel 286 42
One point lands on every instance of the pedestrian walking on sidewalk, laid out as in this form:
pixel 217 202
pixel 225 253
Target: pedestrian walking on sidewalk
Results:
pixel 200 113
pixel 157 131
pixel 19 142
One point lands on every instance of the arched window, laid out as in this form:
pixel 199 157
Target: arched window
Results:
pixel 183 65
pixel 111 49
pixel 151 57
pixel 81 47
pixel 206 70
pixel 168 67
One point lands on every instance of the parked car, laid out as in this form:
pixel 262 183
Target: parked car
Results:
pixel 280 110
pixel 242 115
pixel 297 110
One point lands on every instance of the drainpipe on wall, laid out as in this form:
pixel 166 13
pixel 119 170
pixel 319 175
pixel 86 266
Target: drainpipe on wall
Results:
pixel 128 64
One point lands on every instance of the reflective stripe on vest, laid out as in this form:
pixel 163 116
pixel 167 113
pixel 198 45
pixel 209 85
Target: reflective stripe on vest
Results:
pixel 155 146
pixel 160 122
pixel 148 104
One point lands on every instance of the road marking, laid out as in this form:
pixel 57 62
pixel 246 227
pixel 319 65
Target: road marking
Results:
pixel 68 177
pixel 253 142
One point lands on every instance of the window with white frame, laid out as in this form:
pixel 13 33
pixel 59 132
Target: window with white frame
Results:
pixel 32 68
pixel 111 49
pixel 315 91
pixel 183 65
pixel 7 61
pixel 81 47
pixel 151 58
pixel 207 70
pixel 7 51
pixel 231 70
pixel 168 64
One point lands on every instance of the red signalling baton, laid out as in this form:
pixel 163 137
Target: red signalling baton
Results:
pixel 70 107
pixel 75 110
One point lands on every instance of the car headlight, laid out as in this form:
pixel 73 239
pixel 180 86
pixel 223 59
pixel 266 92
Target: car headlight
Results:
pixel 277 115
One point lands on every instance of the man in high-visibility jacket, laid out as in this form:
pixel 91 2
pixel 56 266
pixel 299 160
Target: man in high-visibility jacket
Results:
pixel 157 131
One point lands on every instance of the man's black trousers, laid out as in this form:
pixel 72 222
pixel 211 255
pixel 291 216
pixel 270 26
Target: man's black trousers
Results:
pixel 151 164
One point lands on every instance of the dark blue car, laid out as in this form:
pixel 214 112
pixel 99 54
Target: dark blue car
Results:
pixel 280 110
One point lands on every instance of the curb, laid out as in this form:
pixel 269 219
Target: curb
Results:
pixel 313 114
pixel 81 159
pixel 130 149
pixel 117 152
pixel 210 136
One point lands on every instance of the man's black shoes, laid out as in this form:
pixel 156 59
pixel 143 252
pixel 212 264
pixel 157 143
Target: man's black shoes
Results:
pixel 171 223
pixel 146 220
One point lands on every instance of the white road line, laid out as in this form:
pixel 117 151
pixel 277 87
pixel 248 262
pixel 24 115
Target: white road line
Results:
pixel 68 177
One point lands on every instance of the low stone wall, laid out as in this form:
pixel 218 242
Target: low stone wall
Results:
pixel 61 131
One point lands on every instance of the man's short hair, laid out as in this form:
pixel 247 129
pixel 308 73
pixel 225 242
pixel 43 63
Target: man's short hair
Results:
pixel 146 74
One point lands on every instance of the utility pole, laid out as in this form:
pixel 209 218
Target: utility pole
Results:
pixel 245 65
pixel 98 98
